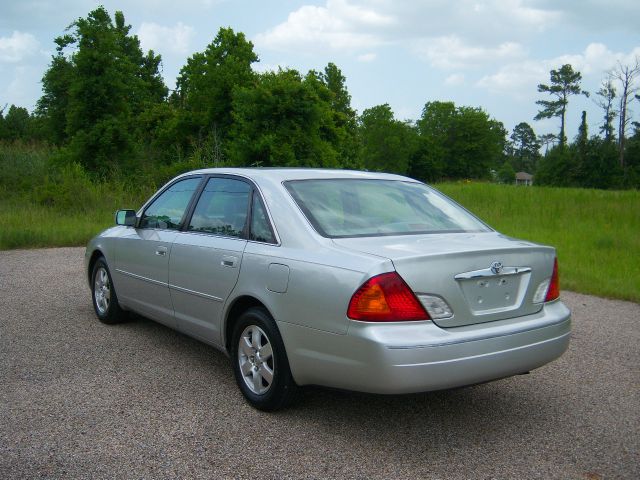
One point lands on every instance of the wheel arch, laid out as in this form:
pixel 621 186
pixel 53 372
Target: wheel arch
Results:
pixel 237 307
pixel 97 253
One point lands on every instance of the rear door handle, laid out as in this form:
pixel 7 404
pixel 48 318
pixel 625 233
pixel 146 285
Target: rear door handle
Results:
pixel 229 262
pixel 162 251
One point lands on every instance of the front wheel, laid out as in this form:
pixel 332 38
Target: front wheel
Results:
pixel 260 361
pixel 105 300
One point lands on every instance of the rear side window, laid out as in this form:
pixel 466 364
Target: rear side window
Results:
pixel 166 210
pixel 339 208
pixel 222 208
pixel 260 226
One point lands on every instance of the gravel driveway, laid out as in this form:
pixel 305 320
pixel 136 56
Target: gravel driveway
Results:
pixel 79 399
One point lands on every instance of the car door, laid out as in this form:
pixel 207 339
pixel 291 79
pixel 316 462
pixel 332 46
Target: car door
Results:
pixel 206 256
pixel 142 254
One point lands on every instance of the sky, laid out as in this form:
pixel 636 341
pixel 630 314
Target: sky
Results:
pixel 489 54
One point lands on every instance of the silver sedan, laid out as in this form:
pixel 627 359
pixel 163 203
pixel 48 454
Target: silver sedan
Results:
pixel 353 280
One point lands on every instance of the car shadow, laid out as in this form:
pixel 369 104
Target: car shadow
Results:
pixel 485 416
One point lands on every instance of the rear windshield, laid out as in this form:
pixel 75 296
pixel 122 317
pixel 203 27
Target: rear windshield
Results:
pixel 339 208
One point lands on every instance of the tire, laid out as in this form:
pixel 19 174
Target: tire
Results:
pixel 260 362
pixel 103 295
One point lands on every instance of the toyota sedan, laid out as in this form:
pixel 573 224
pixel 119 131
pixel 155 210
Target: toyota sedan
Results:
pixel 353 280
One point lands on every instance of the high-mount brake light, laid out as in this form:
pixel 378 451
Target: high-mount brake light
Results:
pixel 554 287
pixel 386 298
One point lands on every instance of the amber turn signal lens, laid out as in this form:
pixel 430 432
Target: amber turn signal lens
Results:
pixel 386 298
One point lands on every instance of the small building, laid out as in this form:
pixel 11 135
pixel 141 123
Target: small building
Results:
pixel 524 178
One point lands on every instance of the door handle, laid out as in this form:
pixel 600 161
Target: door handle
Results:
pixel 162 251
pixel 229 262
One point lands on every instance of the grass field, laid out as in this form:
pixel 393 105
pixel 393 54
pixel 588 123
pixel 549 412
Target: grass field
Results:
pixel 25 223
pixel 596 233
pixel 29 225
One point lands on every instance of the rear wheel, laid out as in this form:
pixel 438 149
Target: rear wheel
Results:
pixel 260 361
pixel 105 300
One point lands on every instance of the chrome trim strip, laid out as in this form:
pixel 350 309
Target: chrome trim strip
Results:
pixel 487 272
pixel 140 277
pixel 197 294
pixel 479 339
pixel 498 352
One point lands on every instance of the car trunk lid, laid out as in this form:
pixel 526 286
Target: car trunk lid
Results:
pixel 483 277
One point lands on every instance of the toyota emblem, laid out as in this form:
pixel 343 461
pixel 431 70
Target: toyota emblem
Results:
pixel 496 267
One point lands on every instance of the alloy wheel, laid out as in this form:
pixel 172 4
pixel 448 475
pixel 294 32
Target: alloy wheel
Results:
pixel 255 358
pixel 102 290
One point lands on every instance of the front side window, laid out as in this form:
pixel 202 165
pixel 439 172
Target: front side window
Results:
pixel 167 210
pixel 222 208
pixel 339 208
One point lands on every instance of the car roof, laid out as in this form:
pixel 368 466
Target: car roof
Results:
pixel 284 174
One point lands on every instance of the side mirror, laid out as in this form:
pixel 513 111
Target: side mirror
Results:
pixel 126 218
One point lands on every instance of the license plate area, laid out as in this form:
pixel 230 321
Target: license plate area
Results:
pixel 489 293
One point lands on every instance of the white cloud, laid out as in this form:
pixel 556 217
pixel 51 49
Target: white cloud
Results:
pixel 162 39
pixel 20 88
pixel 481 22
pixel 339 25
pixel 367 57
pixel 515 77
pixel 451 52
pixel 598 15
pixel 518 13
pixel 360 26
pixel 597 58
pixel 454 80
pixel 524 76
pixel 17 47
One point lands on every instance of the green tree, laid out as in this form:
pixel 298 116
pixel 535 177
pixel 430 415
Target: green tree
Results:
pixel 435 129
pixel 204 88
pixel 583 132
pixel 548 140
pixel 16 124
pixel 556 168
pixel 636 125
pixel 632 162
pixel 426 163
pixel 336 83
pixel 506 173
pixel 112 76
pixel 2 127
pixel 524 148
pixel 626 76
pixel 479 143
pixel 282 121
pixel 564 83
pixel 581 150
pixel 387 144
pixel 598 164
pixel 606 96
pixel 344 117
pixel 98 89
pixel 459 142
pixel 54 102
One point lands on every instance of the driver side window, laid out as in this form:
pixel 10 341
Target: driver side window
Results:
pixel 166 211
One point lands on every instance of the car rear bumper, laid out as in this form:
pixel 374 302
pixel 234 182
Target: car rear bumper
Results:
pixel 420 356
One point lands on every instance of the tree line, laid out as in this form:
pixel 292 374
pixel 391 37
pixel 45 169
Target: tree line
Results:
pixel 106 109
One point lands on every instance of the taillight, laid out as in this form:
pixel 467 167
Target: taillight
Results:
pixel 554 285
pixel 386 298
